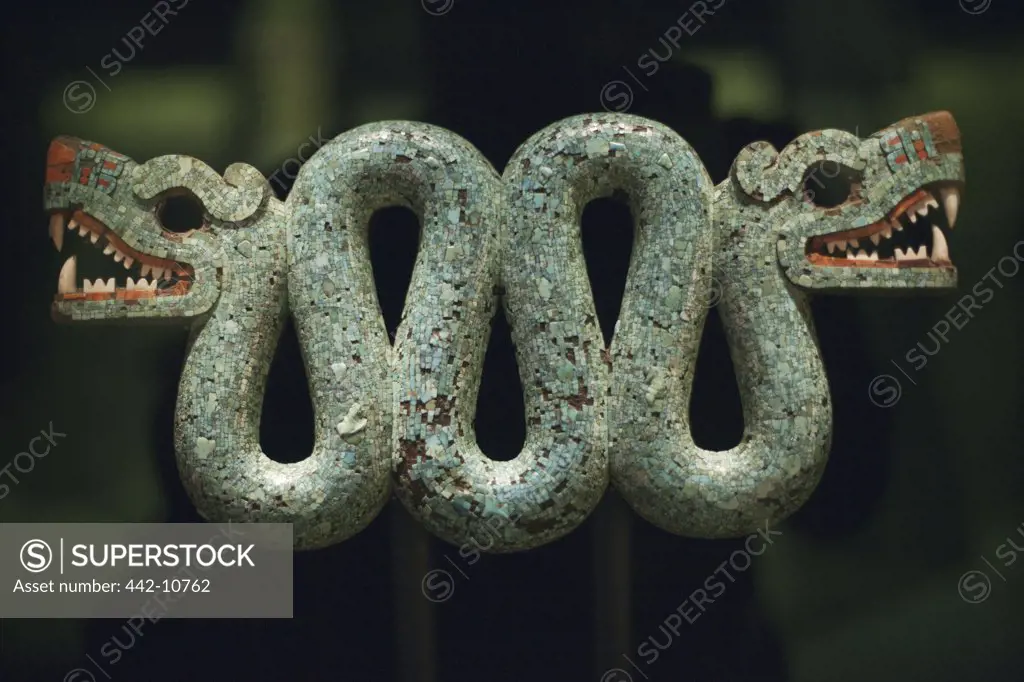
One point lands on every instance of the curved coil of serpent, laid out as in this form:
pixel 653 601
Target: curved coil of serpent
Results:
pixel 590 410
pixel 780 236
pixel 561 473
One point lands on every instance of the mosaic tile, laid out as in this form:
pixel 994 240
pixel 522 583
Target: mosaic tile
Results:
pixel 757 245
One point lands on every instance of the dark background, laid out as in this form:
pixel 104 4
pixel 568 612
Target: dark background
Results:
pixel 862 583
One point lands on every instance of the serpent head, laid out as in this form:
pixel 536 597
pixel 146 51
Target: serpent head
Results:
pixel 851 213
pixel 153 272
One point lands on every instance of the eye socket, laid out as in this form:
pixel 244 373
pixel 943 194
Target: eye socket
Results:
pixel 828 184
pixel 180 213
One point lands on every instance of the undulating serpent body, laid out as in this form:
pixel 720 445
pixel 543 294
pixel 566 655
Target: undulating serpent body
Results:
pixel 787 414
pixel 593 414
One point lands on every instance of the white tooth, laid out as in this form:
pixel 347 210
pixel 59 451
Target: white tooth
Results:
pixel 128 262
pixel 129 285
pixel 922 252
pixel 93 237
pixel 854 243
pixel 66 279
pixel 940 250
pixel 922 208
pixel 931 203
pixel 900 255
pixel 157 273
pixel 152 285
pixel 831 247
pixel 82 231
pixel 875 238
pixel 873 256
pixel 849 255
pixel 86 286
pixel 862 255
pixel 897 226
pixel 118 257
pixel 111 285
pixel 146 269
pixel 108 249
pixel 72 224
pixel 57 230
pixel 841 244
pixel 913 216
pixel 951 200
pixel 887 233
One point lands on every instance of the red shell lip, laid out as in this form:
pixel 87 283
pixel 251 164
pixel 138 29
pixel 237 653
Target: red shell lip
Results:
pixel 818 248
pixel 183 272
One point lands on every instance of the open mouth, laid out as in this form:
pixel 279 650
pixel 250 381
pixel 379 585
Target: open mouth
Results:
pixel 913 234
pixel 126 274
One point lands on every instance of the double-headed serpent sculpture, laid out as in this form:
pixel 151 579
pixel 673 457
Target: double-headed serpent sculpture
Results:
pixel 765 238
